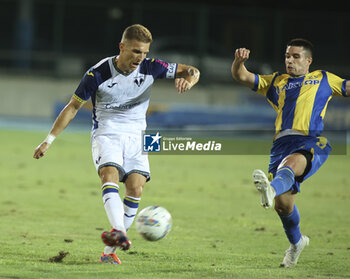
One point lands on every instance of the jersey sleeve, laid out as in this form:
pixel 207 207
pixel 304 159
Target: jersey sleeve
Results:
pixel 264 86
pixel 263 83
pixel 337 85
pixel 159 69
pixel 87 87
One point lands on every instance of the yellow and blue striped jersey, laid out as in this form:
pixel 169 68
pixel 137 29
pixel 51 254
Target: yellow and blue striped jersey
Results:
pixel 300 102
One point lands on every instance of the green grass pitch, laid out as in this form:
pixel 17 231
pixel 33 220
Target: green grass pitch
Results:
pixel 219 229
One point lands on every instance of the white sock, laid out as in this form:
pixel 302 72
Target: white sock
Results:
pixel 109 250
pixel 298 244
pixel 131 205
pixel 113 205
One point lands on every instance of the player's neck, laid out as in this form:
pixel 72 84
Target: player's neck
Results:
pixel 299 75
pixel 119 66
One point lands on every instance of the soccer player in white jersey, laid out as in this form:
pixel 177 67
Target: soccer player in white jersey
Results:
pixel 119 88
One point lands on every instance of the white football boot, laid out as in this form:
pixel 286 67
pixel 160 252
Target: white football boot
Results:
pixel 294 251
pixel 262 184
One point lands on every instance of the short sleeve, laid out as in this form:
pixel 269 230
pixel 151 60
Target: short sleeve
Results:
pixel 87 87
pixel 92 80
pixel 263 83
pixel 158 68
pixel 337 85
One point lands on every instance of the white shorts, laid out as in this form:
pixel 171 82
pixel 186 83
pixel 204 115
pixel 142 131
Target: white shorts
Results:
pixel 121 151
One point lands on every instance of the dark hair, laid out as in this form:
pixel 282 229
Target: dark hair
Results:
pixel 307 45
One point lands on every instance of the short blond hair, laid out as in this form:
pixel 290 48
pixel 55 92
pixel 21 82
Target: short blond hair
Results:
pixel 137 32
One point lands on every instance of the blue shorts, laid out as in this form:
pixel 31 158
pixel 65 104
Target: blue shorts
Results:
pixel 282 147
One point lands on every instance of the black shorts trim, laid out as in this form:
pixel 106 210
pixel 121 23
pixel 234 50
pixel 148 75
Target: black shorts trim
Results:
pixel 117 166
pixel 308 155
pixel 144 173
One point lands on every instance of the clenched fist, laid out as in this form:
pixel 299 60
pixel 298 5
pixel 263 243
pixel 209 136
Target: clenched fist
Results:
pixel 242 54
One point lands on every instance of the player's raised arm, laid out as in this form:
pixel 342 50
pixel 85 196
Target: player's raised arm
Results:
pixel 239 71
pixel 186 77
pixel 62 121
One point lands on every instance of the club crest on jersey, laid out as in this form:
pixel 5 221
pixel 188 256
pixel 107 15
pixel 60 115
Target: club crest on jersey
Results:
pixel 139 80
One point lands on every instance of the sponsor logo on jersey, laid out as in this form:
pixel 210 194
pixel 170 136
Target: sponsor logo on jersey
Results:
pixel 118 106
pixel 293 85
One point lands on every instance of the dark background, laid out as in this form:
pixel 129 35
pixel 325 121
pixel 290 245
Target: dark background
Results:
pixel 43 37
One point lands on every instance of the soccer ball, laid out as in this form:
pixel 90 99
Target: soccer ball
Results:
pixel 153 223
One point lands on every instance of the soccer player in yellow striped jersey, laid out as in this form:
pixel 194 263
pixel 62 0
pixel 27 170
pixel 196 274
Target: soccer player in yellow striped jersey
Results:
pixel 300 99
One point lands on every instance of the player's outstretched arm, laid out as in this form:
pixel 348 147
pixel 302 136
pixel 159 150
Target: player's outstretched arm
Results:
pixel 239 71
pixel 186 77
pixel 347 88
pixel 61 122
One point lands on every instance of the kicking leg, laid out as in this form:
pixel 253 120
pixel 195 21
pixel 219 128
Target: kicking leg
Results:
pixel 262 184
pixel 290 167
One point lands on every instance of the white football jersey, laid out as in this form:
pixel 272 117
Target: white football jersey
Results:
pixel 120 101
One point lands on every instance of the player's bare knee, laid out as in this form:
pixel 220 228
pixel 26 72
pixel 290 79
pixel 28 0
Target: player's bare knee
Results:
pixel 283 209
pixel 284 204
pixel 109 174
pixel 296 161
pixel 134 185
pixel 280 210
pixel 134 189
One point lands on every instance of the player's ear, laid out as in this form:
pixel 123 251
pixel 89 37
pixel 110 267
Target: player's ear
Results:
pixel 309 60
pixel 121 46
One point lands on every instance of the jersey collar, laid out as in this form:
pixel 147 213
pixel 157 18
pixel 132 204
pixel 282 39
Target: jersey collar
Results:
pixel 116 67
